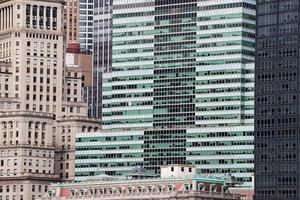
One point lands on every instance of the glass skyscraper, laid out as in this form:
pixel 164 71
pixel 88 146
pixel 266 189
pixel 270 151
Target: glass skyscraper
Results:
pixel 86 26
pixel 277 101
pixel 180 90
pixel 102 53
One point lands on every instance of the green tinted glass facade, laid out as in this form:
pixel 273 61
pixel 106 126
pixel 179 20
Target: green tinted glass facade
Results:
pixel 180 90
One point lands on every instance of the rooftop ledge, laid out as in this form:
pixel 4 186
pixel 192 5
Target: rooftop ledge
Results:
pixel 26 114
pixel 122 181
pixel 52 1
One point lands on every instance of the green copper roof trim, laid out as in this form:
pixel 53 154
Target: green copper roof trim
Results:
pixel 106 182
pixel 210 180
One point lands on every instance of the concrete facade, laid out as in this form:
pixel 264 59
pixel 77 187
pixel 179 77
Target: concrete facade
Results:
pixel 177 171
pixel 39 103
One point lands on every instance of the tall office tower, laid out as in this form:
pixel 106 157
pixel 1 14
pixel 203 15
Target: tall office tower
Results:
pixel 277 101
pixel 71 25
pixel 86 25
pixel 180 89
pixel 39 116
pixel 31 93
pixel 102 54
pixel 78 25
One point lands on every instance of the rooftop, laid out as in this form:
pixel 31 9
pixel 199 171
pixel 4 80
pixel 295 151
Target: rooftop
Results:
pixel 105 179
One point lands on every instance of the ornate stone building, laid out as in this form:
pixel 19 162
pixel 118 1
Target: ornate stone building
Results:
pixel 175 182
pixel 41 107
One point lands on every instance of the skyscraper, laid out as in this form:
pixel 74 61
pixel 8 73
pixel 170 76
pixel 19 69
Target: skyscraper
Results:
pixel 41 106
pixel 78 25
pixel 86 25
pixel 277 100
pixel 102 53
pixel 180 89
pixel 31 94
pixel 71 25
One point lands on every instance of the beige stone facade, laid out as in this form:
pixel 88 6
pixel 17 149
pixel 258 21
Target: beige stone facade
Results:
pixel 41 106
pixel 65 155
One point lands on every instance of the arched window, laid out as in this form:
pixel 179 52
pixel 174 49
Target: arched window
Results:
pixel 111 190
pixel 10 124
pixel 213 188
pixel 141 189
pixel 225 189
pixel 92 191
pixel 151 188
pixel 102 190
pixel 187 187
pixel 201 187
pixel 160 188
pixel 171 187
pixel 82 192
pixel 130 190
pixel 121 190
pixel 73 192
